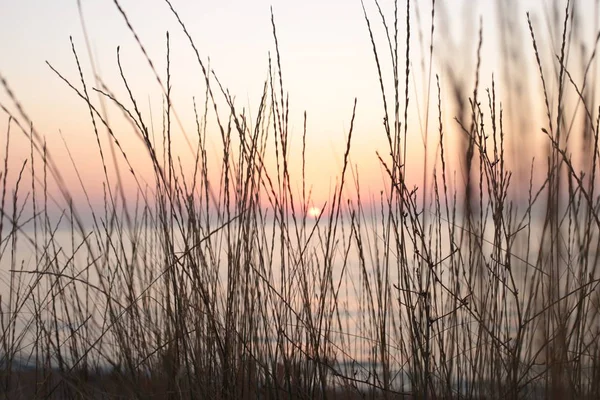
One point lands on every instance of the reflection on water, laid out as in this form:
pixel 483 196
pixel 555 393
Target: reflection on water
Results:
pixel 362 297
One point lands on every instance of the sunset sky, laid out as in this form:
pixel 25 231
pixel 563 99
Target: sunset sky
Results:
pixel 327 61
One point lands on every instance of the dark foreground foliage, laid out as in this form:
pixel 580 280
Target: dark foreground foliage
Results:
pixel 214 283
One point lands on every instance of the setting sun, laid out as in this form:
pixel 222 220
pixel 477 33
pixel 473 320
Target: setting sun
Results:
pixel 314 212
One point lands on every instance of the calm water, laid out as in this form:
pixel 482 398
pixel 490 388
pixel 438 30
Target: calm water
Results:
pixel 353 328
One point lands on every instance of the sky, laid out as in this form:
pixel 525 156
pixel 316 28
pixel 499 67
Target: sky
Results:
pixel 327 62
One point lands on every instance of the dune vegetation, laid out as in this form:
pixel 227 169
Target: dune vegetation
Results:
pixel 225 281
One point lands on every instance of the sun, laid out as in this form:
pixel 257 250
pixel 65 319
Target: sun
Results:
pixel 314 212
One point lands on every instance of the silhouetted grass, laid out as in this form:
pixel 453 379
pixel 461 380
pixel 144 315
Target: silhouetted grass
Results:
pixel 214 283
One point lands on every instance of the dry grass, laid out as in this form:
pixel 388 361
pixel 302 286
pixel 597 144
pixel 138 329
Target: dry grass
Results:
pixel 214 283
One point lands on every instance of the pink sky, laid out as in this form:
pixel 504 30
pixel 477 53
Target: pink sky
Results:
pixel 326 58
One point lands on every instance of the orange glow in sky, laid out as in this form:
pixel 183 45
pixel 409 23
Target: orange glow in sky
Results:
pixel 326 58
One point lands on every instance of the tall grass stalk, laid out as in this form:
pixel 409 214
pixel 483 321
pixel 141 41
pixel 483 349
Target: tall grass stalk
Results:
pixel 214 282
